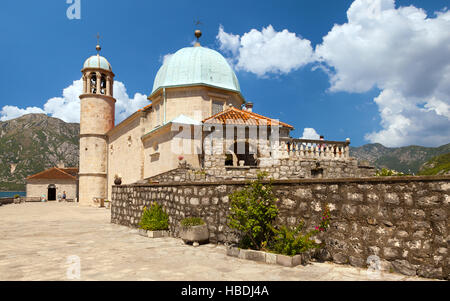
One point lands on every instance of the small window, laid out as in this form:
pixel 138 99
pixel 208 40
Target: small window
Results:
pixel 93 83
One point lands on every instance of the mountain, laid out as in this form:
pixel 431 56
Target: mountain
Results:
pixel 33 143
pixel 439 165
pixel 407 159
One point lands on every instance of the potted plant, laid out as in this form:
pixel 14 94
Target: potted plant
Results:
pixel 154 222
pixel 194 230
pixel 107 204
pixel 117 179
pixel 17 199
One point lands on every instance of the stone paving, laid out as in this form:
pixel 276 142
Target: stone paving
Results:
pixel 36 240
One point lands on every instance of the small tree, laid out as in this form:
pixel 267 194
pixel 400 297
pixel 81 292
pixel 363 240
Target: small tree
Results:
pixel 252 212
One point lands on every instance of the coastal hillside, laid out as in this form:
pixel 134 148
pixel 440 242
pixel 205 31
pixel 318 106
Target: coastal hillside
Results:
pixel 439 165
pixel 32 143
pixel 407 159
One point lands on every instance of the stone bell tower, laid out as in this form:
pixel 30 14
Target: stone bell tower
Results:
pixel 97 106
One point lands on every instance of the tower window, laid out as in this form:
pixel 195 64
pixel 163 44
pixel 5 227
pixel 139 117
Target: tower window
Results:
pixel 93 83
pixel 103 85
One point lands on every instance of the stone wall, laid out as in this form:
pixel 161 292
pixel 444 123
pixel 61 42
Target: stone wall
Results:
pixel 402 220
pixel 286 169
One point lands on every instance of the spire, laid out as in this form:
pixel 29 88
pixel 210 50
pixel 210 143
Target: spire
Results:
pixel 198 34
pixel 98 47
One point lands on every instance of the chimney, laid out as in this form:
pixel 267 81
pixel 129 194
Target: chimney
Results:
pixel 249 106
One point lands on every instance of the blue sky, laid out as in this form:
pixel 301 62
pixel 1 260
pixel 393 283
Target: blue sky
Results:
pixel 385 89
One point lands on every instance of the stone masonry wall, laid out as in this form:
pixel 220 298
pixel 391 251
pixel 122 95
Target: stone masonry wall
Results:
pixel 284 170
pixel 402 220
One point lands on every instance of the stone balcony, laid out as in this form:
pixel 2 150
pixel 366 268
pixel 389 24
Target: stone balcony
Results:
pixel 314 149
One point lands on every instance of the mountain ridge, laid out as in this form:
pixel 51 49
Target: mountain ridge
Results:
pixel 34 142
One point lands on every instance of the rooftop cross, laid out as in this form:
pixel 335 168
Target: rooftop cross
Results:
pixel 98 47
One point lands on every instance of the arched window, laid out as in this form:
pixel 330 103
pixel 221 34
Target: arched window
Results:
pixel 103 85
pixel 93 83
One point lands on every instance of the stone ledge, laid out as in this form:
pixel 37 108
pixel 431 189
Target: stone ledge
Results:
pixel 269 258
pixel 154 234
pixel 300 181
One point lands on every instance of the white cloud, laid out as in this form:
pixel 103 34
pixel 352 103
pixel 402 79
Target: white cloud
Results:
pixel 11 112
pixel 403 53
pixel 310 133
pixel 125 106
pixel 266 51
pixel 67 107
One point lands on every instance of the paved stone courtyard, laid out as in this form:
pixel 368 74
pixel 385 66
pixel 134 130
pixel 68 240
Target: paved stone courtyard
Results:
pixel 36 240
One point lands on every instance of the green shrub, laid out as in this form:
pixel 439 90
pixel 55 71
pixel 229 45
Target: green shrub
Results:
pixel 16 196
pixel 384 172
pixel 252 212
pixel 291 241
pixel 154 218
pixel 192 221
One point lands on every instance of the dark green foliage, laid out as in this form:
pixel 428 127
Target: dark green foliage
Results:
pixel 291 241
pixel 192 221
pixel 253 210
pixel 154 218
pixel 438 165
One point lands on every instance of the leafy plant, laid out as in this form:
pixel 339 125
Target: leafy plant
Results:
pixel 154 218
pixel 16 196
pixel 384 172
pixel 252 212
pixel 192 221
pixel 291 241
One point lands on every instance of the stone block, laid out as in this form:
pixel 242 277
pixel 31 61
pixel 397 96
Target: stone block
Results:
pixel 403 267
pixel 390 253
pixel 284 260
pixel 158 234
pixel 271 258
pixel 356 261
pixel 392 198
pixel 340 258
pixel 233 251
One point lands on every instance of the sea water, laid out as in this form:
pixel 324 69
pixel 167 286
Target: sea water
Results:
pixel 11 194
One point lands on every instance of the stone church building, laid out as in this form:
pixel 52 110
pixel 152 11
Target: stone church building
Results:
pixel 197 118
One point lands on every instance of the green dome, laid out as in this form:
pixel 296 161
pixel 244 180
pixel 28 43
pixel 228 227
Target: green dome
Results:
pixel 97 61
pixel 196 65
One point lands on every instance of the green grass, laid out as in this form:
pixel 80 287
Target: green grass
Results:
pixel 437 166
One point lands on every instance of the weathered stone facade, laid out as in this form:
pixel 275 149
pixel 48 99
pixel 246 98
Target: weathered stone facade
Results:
pixel 402 220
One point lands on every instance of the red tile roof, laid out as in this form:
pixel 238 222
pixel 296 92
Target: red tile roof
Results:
pixel 233 115
pixel 56 173
pixel 145 108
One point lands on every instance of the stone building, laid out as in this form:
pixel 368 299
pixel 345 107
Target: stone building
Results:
pixel 53 182
pixel 197 118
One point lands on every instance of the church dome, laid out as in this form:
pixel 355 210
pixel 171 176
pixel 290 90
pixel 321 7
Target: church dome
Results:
pixel 97 61
pixel 196 65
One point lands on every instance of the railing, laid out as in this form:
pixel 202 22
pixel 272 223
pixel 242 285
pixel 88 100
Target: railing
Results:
pixel 306 148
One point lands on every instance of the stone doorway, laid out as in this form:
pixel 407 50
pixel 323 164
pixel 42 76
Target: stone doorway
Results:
pixel 51 192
